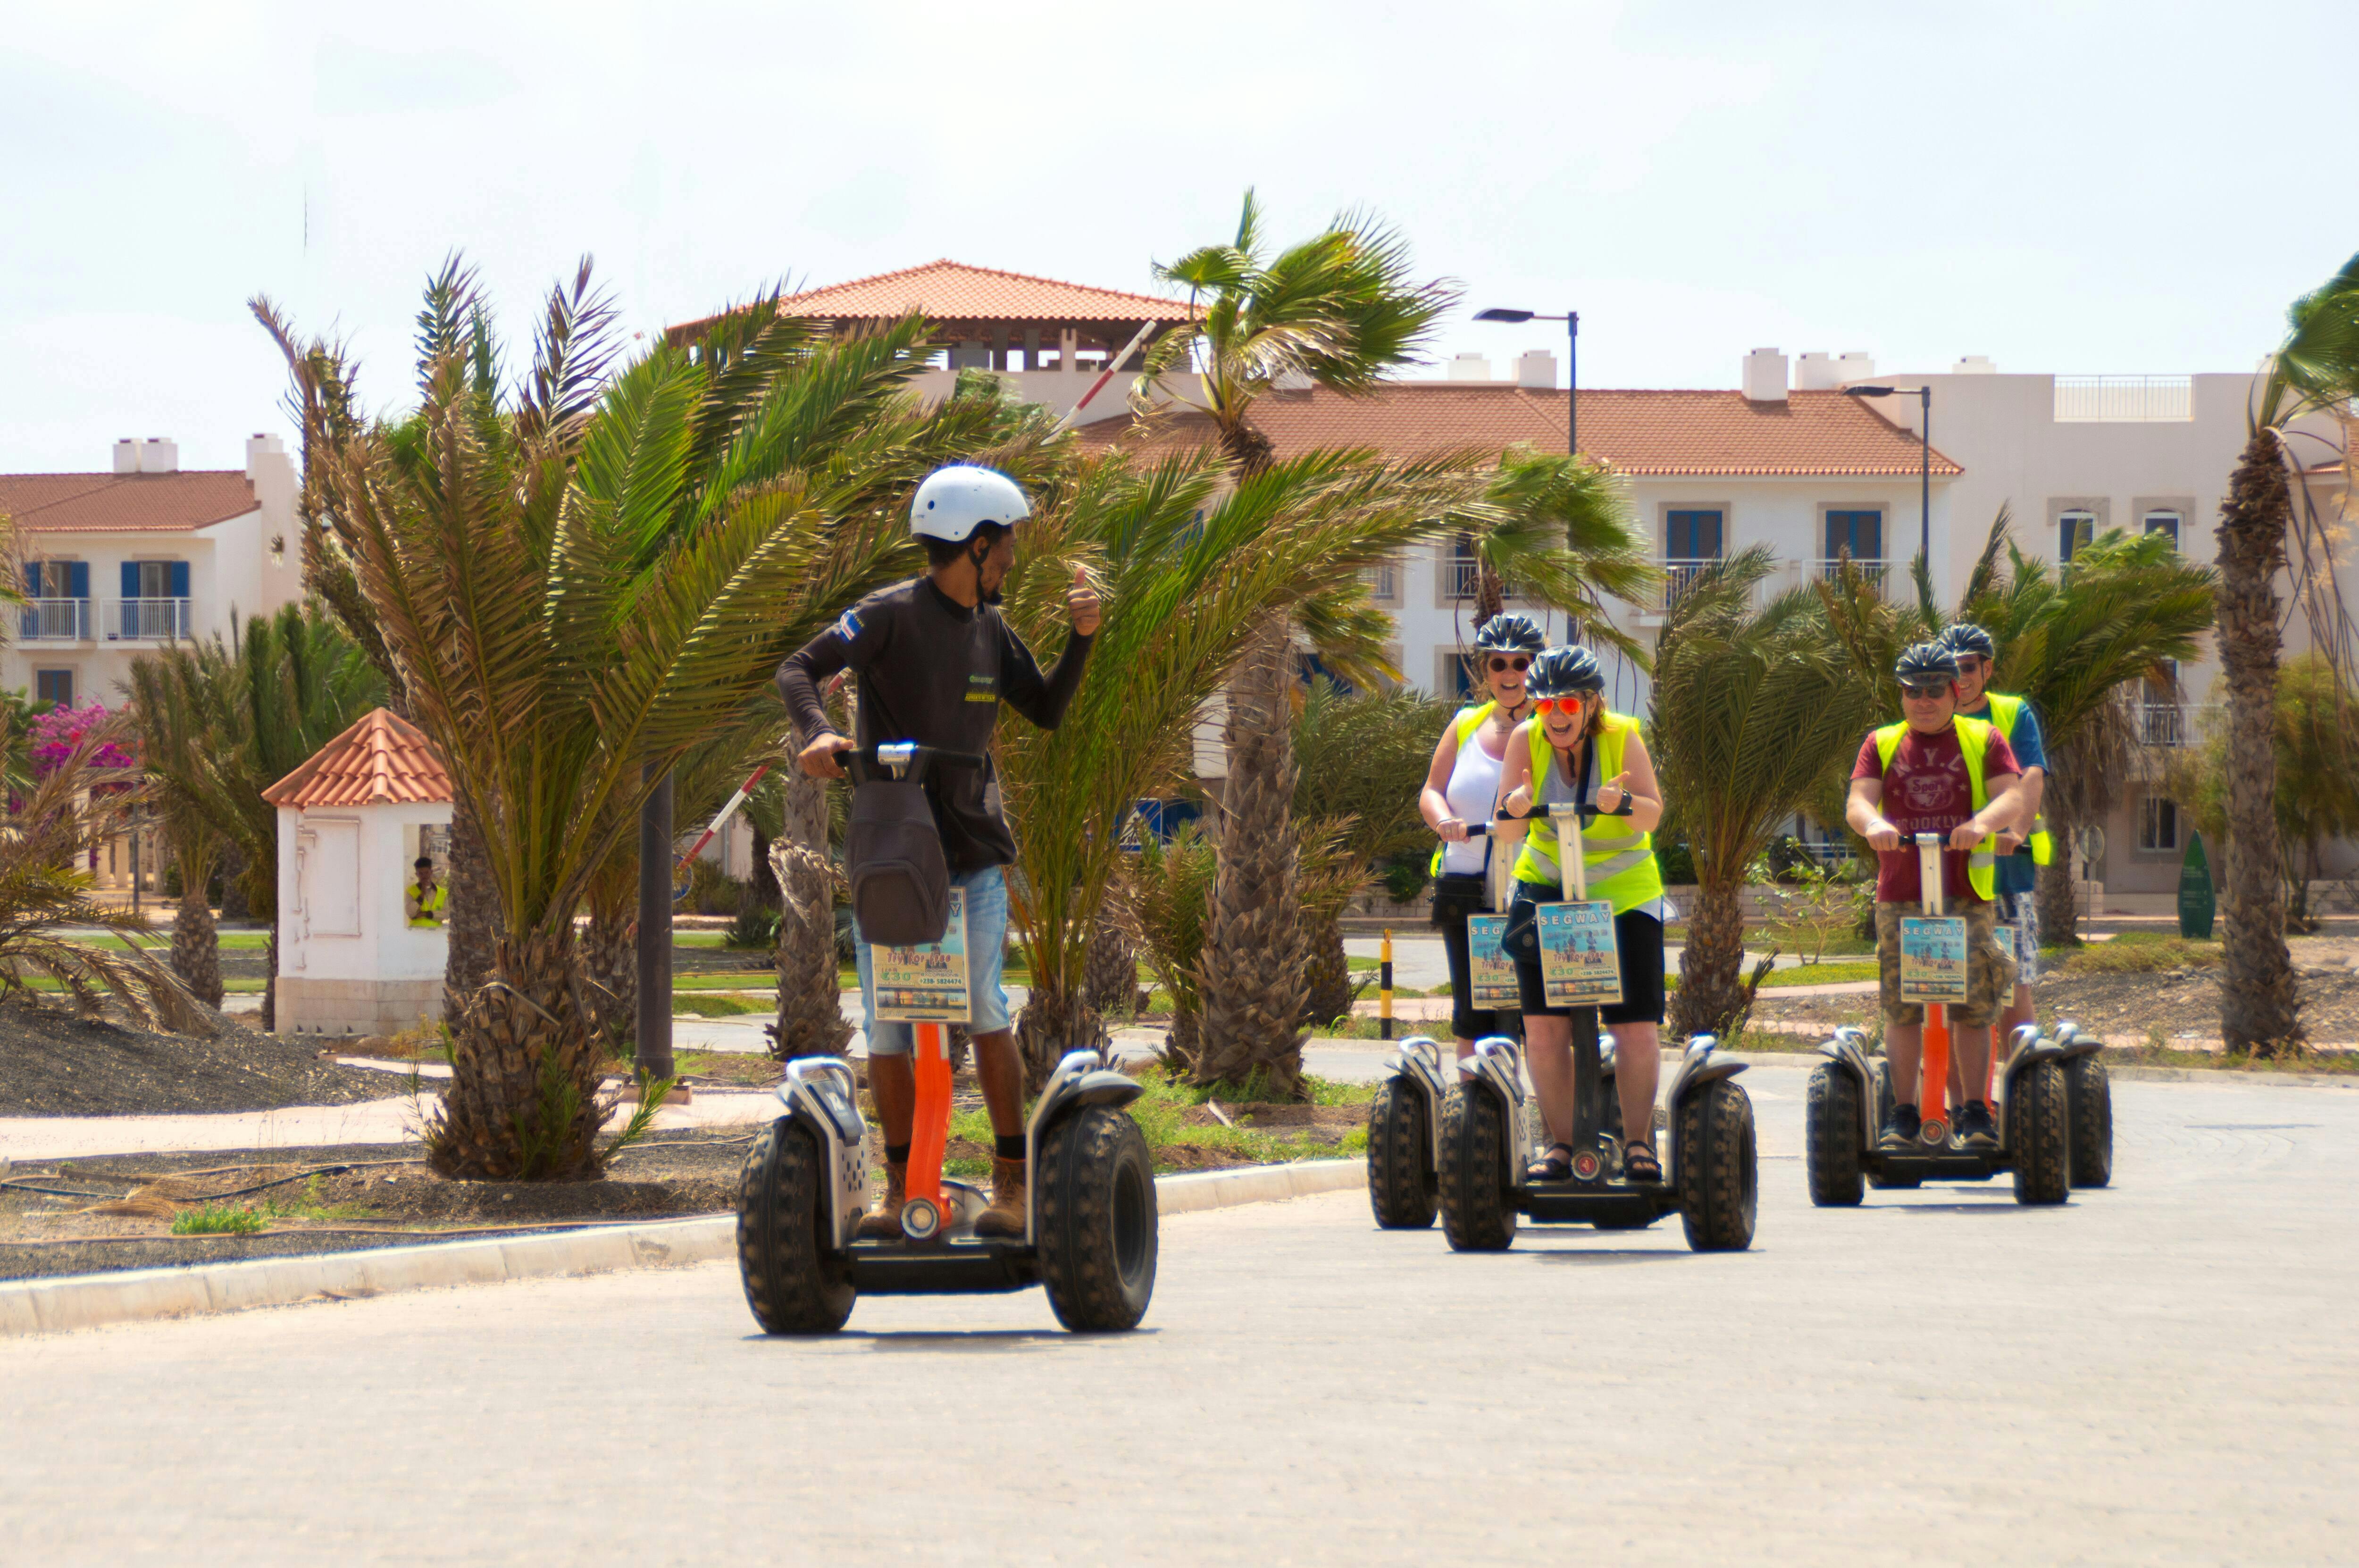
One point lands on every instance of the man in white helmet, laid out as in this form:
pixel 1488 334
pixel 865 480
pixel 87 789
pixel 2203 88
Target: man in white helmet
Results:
pixel 935 659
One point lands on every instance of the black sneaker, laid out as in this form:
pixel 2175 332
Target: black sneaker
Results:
pixel 1975 1129
pixel 1900 1125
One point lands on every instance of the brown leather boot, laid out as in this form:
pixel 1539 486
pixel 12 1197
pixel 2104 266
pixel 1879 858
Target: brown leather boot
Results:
pixel 883 1223
pixel 1005 1218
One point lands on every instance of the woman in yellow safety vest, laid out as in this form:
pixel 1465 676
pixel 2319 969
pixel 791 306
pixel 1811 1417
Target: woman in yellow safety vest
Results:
pixel 1573 753
pixel 1461 787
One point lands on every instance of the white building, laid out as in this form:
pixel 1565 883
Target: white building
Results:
pixel 141 555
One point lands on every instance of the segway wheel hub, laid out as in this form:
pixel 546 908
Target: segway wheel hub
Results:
pixel 919 1219
pixel 1934 1133
pixel 1586 1164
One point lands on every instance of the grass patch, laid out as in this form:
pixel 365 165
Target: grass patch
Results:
pixel 721 1006
pixel 218 1219
pixel 2138 953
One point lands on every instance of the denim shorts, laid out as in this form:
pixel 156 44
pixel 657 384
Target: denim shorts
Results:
pixel 986 951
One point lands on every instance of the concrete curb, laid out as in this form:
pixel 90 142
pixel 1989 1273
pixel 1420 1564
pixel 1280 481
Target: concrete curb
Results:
pixel 92 1301
pixel 2127 1070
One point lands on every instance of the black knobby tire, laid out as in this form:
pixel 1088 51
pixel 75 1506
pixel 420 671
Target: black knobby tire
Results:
pixel 792 1282
pixel 1095 1211
pixel 1830 1136
pixel 1718 1168
pixel 1475 1214
pixel 1883 1113
pixel 2037 1136
pixel 1401 1187
pixel 2088 1110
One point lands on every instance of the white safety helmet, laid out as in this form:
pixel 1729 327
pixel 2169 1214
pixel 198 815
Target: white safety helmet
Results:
pixel 955 501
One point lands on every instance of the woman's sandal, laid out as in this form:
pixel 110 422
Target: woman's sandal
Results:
pixel 1552 1166
pixel 1639 1164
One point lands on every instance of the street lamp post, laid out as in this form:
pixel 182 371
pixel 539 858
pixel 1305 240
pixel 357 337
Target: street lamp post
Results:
pixel 1924 395
pixel 1572 319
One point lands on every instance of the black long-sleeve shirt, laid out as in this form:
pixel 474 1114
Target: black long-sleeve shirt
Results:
pixel 933 671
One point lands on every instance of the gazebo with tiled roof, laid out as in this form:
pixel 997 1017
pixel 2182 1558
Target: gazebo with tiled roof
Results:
pixel 986 318
pixel 355 955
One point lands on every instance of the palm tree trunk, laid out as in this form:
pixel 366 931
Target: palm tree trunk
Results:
pixel 1712 987
pixel 270 982
pixel 1110 973
pixel 196 944
pixel 522 1103
pixel 474 914
pixel 1252 965
pixel 1326 972
pixel 2257 999
pixel 811 1001
pixel 2059 905
pixel 610 955
pixel 1055 1019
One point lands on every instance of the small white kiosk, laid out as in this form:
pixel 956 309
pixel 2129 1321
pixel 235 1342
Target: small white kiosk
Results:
pixel 357 954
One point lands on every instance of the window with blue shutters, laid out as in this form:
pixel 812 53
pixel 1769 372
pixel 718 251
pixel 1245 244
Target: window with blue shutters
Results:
pixel 1859 534
pixel 1692 535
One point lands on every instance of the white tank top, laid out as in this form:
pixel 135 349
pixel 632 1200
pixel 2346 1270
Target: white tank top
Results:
pixel 1474 792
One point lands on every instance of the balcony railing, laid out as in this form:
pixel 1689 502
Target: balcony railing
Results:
pixel 1383 581
pixel 1462 577
pixel 1877 573
pixel 1680 572
pixel 2162 724
pixel 147 620
pixel 56 620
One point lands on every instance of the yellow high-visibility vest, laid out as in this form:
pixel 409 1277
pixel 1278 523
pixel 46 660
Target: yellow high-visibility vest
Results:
pixel 1620 860
pixel 2005 712
pixel 1974 742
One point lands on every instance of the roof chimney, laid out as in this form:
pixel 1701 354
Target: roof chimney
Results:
pixel 1854 364
pixel 1470 367
pixel 127 455
pixel 160 454
pixel 1764 376
pixel 1975 364
pixel 1536 368
pixel 1816 372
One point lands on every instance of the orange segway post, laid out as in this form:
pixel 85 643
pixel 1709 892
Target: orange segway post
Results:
pixel 930 1129
pixel 1933 1065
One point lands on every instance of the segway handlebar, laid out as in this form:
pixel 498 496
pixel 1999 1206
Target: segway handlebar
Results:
pixel 904 760
pixel 1587 813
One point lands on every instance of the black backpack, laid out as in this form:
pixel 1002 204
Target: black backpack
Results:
pixel 900 881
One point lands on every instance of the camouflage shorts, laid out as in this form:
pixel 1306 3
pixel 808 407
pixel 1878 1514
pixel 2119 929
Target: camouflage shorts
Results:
pixel 1989 974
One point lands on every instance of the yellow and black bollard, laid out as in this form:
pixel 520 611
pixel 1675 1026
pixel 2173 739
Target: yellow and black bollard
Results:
pixel 1385 987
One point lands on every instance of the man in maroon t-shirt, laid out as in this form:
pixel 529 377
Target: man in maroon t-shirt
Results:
pixel 1927 790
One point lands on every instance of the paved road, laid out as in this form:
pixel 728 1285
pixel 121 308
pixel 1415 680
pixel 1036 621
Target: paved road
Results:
pixel 2162 1372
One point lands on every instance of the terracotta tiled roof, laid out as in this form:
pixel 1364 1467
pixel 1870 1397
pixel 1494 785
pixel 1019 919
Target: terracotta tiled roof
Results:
pixel 952 291
pixel 1640 432
pixel 382 759
pixel 125 502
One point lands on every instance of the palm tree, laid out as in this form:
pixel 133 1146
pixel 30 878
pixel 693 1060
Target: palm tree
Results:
pixel 586 579
pixel 238 719
pixel 171 735
pixel 1192 566
pixel 1339 309
pixel 1752 709
pixel 1364 757
pixel 1561 531
pixel 2315 369
pixel 2072 639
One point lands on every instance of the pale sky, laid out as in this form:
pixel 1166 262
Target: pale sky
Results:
pixel 2112 186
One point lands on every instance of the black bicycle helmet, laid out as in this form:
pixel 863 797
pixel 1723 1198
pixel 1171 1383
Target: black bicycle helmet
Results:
pixel 1509 633
pixel 1565 672
pixel 1965 637
pixel 1925 664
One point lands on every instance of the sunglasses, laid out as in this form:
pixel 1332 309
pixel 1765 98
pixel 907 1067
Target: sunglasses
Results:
pixel 1924 693
pixel 1970 662
pixel 1566 705
pixel 1499 666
